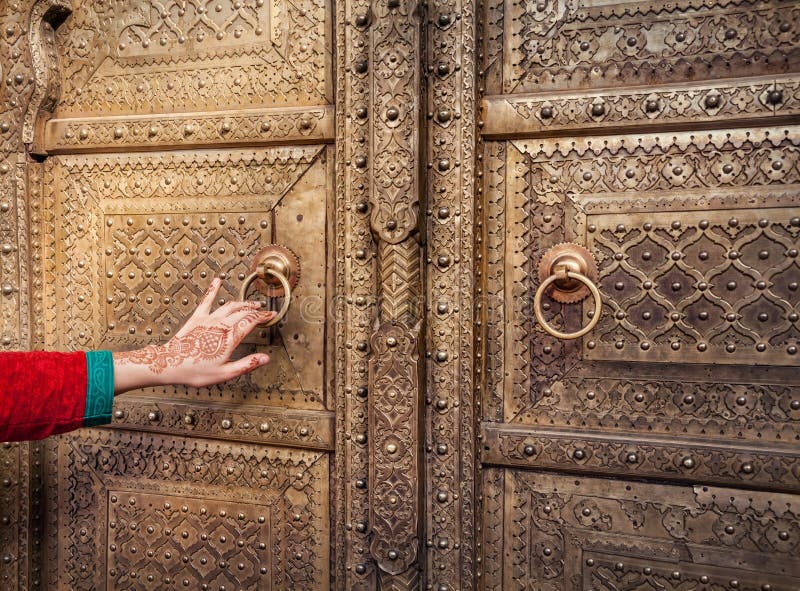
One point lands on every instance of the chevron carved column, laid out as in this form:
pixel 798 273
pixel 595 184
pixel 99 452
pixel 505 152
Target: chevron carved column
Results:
pixel 394 369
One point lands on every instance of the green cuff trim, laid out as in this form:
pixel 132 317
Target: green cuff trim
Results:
pixel 99 389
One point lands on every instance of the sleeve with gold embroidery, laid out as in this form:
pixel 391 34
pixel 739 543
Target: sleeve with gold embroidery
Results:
pixel 45 393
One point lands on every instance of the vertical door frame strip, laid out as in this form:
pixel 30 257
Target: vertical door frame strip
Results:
pixel 452 296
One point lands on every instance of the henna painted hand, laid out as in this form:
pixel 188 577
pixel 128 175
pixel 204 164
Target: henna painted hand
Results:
pixel 198 355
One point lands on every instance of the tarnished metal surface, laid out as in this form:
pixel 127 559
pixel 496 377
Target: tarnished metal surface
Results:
pixel 660 137
pixel 141 511
pixel 226 487
pixel 562 532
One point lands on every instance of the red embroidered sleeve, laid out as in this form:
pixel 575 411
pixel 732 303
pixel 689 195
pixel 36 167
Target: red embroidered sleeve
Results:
pixel 45 393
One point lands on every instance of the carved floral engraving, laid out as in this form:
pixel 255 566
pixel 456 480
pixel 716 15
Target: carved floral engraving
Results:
pixel 580 533
pixel 217 514
pixel 146 56
pixel 393 431
pixel 558 44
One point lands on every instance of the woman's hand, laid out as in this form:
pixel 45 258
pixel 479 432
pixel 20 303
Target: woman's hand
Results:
pixel 198 355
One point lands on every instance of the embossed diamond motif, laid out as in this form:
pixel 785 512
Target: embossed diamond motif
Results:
pixel 221 252
pixel 762 252
pixel 704 314
pixel 619 284
pixel 758 316
pixel 647 256
pixel 131 273
pixel 732 285
pixel 704 254
pixel 149 250
pixel 185 300
pixel 786 283
pixel 676 285
pixel 149 300
pixel 167 275
pixel 203 273
pixel 203 563
pixel 185 250
pixel 648 314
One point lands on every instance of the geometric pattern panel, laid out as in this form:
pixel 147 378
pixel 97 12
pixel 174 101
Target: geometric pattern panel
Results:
pixel 147 56
pixel 554 532
pixel 696 237
pixel 159 540
pixel 717 286
pixel 155 265
pixel 160 512
pixel 137 239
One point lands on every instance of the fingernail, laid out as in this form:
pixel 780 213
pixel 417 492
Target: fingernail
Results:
pixel 264 360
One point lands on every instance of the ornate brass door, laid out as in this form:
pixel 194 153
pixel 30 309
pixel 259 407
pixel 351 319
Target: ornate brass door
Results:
pixel 177 140
pixel 417 428
pixel 660 450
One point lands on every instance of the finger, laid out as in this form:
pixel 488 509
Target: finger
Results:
pixel 244 365
pixel 209 297
pixel 228 308
pixel 234 308
pixel 245 322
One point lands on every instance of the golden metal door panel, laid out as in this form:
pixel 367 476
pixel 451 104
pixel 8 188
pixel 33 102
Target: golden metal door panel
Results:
pixel 662 138
pixel 141 511
pixel 697 241
pixel 544 46
pixel 139 238
pixel 167 57
pixel 555 532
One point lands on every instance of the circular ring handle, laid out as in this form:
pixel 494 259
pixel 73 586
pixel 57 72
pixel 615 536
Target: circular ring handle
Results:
pixel 537 304
pixel 287 291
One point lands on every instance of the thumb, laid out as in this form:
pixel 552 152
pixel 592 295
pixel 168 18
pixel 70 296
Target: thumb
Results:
pixel 245 365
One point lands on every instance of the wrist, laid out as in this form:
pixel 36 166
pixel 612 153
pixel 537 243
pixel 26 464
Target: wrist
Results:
pixel 142 368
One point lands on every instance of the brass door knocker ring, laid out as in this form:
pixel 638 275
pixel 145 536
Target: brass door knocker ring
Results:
pixel 275 271
pixel 571 271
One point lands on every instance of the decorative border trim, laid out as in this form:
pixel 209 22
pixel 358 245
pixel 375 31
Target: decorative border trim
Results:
pixel 698 105
pixel 256 424
pixel 454 234
pixel 191 130
pixel 772 467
